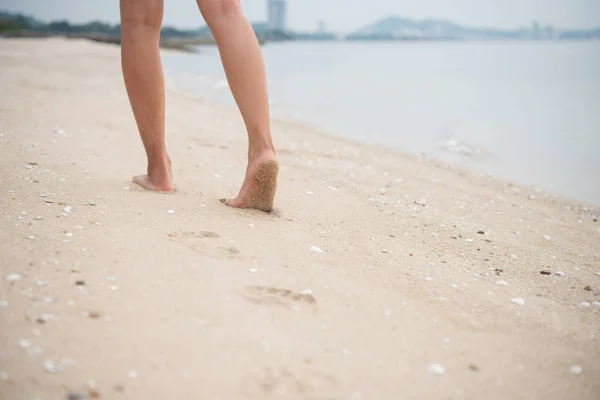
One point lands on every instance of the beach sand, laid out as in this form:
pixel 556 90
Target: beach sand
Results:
pixel 380 275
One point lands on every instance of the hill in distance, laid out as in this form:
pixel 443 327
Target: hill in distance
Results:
pixel 399 28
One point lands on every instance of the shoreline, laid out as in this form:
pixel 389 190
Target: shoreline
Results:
pixel 380 272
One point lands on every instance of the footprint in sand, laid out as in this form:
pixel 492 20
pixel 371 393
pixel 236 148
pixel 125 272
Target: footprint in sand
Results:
pixel 285 297
pixel 197 241
pixel 204 143
pixel 195 235
pixel 302 380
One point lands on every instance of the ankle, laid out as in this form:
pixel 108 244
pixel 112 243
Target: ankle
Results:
pixel 261 153
pixel 159 161
pixel 259 148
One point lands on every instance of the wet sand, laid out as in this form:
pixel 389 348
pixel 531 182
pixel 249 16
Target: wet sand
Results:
pixel 380 275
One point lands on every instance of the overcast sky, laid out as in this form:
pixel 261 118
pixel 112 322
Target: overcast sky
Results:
pixel 343 15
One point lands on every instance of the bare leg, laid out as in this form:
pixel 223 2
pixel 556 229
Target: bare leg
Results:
pixel 244 67
pixel 140 58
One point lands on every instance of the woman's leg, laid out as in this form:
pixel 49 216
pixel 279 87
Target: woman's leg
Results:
pixel 140 58
pixel 244 67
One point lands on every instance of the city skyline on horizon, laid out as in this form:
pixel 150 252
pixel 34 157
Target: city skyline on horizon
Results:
pixel 308 15
pixel 277 14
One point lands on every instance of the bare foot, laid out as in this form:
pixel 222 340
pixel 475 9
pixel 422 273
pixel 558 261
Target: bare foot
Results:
pixel 146 182
pixel 259 187
pixel 158 179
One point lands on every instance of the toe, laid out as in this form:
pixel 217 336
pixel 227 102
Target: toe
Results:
pixel 144 182
pixel 236 203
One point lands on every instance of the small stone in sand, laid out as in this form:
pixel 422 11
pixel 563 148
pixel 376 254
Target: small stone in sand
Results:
pixel 13 277
pixel 469 240
pixel 544 272
pixel 171 212
pixel 67 209
pixel 576 369
pixel 68 234
pixel 481 232
pixel 596 303
pixel 436 369
pixel 502 283
pixel 306 291
pixel 584 304
pixel 24 343
pixel 80 283
pixel 518 301
pixel 315 249
pixel 560 273
pixel 547 238
pixel 94 314
pixel 514 256
pixel 588 288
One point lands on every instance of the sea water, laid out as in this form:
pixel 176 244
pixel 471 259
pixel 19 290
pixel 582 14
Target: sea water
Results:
pixel 523 111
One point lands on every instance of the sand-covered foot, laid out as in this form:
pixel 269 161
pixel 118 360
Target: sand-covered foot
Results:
pixel 259 187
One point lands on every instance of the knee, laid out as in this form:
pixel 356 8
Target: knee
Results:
pixel 216 9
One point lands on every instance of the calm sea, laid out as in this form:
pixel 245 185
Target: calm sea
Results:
pixel 524 111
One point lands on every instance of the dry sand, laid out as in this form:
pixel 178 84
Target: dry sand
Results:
pixel 126 294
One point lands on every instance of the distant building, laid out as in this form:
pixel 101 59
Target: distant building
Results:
pixel 549 33
pixel 321 28
pixel 277 15
pixel 536 30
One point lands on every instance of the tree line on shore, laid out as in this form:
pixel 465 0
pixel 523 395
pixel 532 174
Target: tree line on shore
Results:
pixel 15 23
pixel 12 24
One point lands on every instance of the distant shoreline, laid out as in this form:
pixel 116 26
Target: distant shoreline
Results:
pixel 183 44
pixel 188 44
